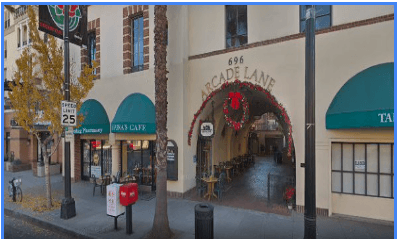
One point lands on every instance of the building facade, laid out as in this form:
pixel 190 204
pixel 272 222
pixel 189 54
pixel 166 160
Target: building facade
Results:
pixel 258 51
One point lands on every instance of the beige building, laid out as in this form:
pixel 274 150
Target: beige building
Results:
pixel 263 47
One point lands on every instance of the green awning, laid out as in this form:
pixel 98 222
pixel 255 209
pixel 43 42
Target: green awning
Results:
pixel 365 101
pixel 96 120
pixel 136 114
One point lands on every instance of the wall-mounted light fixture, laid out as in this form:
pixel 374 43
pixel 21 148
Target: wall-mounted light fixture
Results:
pixel 28 141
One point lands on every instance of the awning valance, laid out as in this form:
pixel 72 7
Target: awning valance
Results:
pixel 136 114
pixel 365 101
pixel 96 120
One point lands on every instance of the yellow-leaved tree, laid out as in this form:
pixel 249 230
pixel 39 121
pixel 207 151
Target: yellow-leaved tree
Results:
pixel 38 89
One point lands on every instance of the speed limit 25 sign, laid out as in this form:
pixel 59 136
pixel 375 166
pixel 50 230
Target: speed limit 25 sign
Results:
pixel 68 113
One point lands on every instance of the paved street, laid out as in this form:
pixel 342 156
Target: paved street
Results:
pixel 229 222
pixel 17 229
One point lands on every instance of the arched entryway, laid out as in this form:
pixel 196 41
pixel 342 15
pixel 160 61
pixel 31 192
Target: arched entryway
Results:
pixel 236 110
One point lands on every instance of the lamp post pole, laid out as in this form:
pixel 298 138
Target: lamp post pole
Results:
pixel 68 207
pixel 310 133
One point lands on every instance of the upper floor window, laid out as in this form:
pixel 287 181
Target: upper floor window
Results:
pixel 5 74
pixel 137 44
pixel 5 49
pixel 19 37
pixel 7 22
pixel 323 17
pixel 236 26
pixel 91 48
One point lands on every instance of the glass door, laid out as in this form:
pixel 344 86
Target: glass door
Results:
pixel 86 160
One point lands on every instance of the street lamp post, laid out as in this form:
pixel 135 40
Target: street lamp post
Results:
pixel 68 207
pixel 310 133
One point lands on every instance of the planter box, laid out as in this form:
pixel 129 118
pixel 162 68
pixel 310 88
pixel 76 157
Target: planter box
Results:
pixel 54 169
pixel 17 168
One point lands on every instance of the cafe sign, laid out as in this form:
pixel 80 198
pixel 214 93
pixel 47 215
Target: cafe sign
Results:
pixel 207 130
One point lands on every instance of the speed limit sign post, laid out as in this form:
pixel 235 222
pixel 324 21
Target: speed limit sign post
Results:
pixel 68 114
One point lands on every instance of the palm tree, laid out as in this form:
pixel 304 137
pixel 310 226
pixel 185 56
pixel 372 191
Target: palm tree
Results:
pixel 161 227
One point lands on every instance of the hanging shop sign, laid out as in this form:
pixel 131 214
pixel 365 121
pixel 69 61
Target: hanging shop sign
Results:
pixel 172 160
pixel 237 71
pixel 51 19
pixel 359 164
pixel 207 130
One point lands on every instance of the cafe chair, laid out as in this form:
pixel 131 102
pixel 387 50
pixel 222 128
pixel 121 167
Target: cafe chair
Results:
pixel 96 184
pixel 220 186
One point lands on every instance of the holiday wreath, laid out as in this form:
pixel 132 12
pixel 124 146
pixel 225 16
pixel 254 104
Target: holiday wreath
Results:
pixel 234 100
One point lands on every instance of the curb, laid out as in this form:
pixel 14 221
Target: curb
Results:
pixel 44 224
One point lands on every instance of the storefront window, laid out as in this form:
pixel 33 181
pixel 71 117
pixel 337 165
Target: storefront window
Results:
pixel 96 158
pixel 363 169
pixel 136 160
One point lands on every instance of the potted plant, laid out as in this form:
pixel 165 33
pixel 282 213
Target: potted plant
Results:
pixel 289 196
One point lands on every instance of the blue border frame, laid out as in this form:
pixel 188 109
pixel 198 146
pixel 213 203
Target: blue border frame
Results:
pixel 169 3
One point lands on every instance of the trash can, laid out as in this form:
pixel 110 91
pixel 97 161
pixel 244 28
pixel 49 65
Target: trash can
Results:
pixel 204 221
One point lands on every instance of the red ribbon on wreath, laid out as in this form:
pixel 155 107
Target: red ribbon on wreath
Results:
pixel 235 97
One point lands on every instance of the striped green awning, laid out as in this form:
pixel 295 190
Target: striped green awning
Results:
pixel 365 101
pixel 96 120
pixel 136 114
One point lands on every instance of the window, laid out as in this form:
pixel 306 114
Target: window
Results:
pixel 7 19
pixel 137 44
pixel 91 48
pixel 25 36
pixel 19 37
pixel 236 26
pixel 363 169
pixel 323 17
pixel 5 74
pixel 5 49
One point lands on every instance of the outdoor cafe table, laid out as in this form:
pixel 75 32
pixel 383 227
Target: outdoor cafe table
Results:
pixel 228 173
pixel 211 184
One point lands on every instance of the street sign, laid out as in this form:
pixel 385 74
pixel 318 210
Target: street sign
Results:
pixel 69 134
pixel 68 113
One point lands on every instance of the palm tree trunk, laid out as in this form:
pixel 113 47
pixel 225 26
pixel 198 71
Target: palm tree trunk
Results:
pixel 161 228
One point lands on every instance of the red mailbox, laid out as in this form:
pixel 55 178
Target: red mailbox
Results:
pixel 128 194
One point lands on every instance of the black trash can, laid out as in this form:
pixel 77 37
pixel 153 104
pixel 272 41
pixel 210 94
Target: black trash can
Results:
pixel 204 221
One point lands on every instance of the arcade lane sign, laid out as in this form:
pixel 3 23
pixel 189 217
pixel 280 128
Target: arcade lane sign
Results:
pixel 51 19
pixel 237 71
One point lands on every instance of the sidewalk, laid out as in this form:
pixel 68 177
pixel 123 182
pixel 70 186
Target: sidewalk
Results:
pixel 91 220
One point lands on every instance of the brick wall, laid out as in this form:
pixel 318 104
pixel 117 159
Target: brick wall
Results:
pixel 128 14
pixel 93 26
pixel 77 158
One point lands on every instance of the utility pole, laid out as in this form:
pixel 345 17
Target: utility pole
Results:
pixel 68 207
pixel 310 133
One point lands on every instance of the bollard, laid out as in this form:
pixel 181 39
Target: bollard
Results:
pixel 128 214
pixel 204 221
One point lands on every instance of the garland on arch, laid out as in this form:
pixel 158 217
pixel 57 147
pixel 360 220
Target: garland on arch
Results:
pixel 280 110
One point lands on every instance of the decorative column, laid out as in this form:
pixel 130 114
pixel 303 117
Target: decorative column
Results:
pixel 116 159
